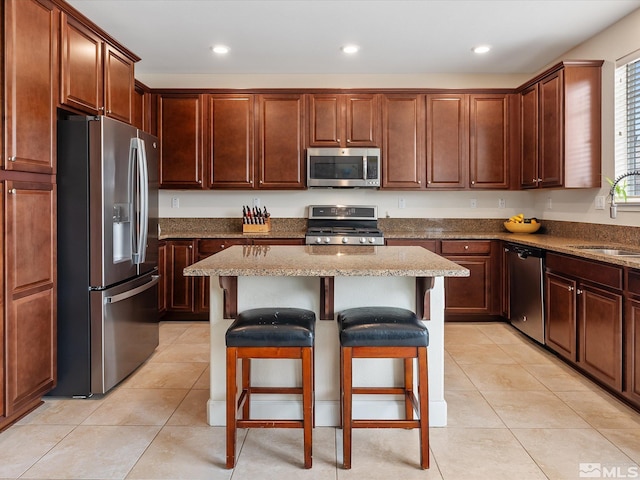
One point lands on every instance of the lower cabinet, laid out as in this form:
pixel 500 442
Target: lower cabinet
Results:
pixel 631 332
pixel 187 298
pixel 28 314
pixel 584 315
pixel 477 297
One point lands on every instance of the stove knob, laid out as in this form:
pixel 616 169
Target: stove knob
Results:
pixel 345 240
pixel 318 240
pixel 326 240
pixel 363 240
pixel 372 240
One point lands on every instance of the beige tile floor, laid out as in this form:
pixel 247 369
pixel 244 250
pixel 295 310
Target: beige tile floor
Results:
pixel 515 412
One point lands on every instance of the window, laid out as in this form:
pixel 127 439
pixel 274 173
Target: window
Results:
pixel 627 122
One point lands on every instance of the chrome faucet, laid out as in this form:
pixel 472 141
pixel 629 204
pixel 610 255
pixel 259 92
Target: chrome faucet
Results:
pixel 613 209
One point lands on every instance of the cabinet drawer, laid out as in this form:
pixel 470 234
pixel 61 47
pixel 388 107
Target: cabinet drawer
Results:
pixel 601 273
pixel 430 245
pixel 209 247
pixel 465 247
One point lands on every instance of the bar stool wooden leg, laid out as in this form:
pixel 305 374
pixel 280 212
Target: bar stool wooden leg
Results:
pixel 347 406
pixel 232 406
pixel 423 393
pixel 246 387
pixel 408 388
pixel 307 404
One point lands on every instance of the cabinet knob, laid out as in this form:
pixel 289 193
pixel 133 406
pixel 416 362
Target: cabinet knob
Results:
pixel 12 158
pixel 200 181
pixel 473 182
pixel 539 179
pixel 12 191
pixel 101 109
pixel 570 288
pixel 190 246
pixel 338 140
pixel 535 180
pixel 348 140
pixel 579 292
pixel 108 111
pixel 466 247
pixel 420 182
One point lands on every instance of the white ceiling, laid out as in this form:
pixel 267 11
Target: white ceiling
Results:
pixel 395 36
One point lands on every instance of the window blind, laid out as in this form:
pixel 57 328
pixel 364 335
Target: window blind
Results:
pixel 627 123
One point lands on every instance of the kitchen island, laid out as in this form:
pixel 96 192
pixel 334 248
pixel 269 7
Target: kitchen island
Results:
pixel 326 280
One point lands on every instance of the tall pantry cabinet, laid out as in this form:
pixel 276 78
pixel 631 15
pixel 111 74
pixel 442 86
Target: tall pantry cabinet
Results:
pixel 43 77
pixel 30 32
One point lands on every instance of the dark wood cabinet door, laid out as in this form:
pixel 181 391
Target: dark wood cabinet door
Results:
pixel 560 327
pixel 31 85
pixel 488 141
pixel 231 141
pixel 3 405
pixel 632 349
pixel 529 137
pixel 447 141
pixel 344 120
pixel 119 85
pixel 162 281
pixel 30 269
pixel 362 114
pixel 403 131
pixel 469 295
pixel 180 131
pixel 141 116
pixel 551 138
pixel 81 67
pixel 180 289
pixel 325 120
pixel 280 141
pixel 600 327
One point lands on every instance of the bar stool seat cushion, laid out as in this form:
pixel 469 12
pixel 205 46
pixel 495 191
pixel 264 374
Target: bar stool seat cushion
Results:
pixel 272 327
pixel 382 327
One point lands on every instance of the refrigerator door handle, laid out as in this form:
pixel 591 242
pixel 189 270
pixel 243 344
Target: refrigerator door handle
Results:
pixel 140 200
pixel 134 291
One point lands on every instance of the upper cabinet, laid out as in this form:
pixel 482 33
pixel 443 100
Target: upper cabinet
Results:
pixel 560 112
pixel 403 141
pixel 344 120
pixel 231 146
pixel 252 141
pixel 181 134
pixel 141 117
pixel 447 141
pixel 280 160
pixel 488 141
pixel 96 78
pixel 31 85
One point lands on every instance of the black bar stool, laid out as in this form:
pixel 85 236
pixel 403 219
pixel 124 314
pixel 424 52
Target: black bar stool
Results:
pixel 269 333
pixel 384 332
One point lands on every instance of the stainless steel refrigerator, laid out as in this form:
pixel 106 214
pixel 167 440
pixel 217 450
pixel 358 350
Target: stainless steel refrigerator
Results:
pixel 107 177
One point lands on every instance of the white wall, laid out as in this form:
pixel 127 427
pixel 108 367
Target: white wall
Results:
pixel 571 205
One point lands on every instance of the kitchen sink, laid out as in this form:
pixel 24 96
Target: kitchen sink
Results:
pixel 613 251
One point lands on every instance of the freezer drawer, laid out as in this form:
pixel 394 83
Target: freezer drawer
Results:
pixel 124 330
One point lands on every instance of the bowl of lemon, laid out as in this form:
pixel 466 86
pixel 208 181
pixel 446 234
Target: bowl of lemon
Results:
pixel 520 224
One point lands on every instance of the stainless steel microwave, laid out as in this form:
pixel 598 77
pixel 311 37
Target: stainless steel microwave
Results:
pixel 343 167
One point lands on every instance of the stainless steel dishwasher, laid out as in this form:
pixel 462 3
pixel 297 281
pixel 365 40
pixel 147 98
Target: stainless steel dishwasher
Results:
pixel 526 289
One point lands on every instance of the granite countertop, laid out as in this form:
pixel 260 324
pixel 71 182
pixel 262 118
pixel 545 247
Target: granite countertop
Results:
pixel 326 261
pixel 561 237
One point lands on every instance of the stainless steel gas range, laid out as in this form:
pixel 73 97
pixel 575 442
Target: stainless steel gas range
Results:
pixel 343 225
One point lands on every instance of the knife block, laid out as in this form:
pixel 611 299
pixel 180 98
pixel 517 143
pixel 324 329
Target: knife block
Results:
pixel 262 228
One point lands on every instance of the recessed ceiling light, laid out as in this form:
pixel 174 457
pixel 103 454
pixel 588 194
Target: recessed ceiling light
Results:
pixel 221 49
pixel 481 49
pixel 350 49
